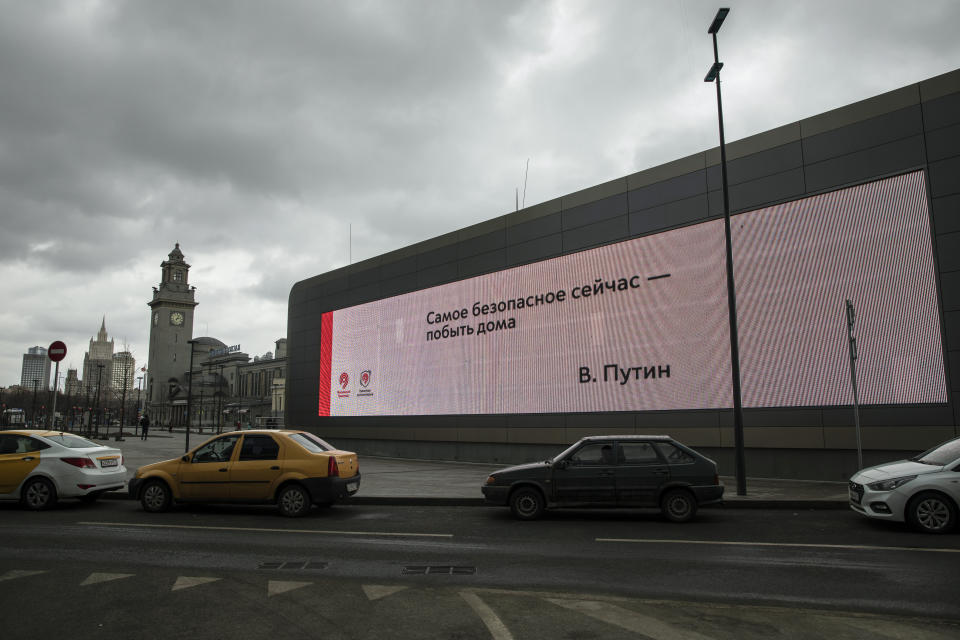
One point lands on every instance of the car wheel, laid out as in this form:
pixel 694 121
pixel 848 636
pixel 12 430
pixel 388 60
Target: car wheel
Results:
pixel 678 505
pixel 155 497
pixel 527 503
pixel 932 512
pixel 293 501
pixel 38 494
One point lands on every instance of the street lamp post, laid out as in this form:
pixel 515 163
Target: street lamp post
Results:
pixel 33 409
pixel 189 397
pixel 98 414
pixel 220 399
pixel 139 412
pixel 714 76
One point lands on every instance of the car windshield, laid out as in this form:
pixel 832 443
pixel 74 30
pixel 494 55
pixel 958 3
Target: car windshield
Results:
pixel 311 442
pixel 72 441
pixel 565 453
pixel 941 455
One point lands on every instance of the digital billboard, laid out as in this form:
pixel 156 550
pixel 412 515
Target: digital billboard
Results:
pixel 643 324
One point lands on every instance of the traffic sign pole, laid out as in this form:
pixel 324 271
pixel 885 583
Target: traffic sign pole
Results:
pixel 56 352
pixel 56 386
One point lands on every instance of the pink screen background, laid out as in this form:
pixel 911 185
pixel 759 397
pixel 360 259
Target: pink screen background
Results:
pixel 795 265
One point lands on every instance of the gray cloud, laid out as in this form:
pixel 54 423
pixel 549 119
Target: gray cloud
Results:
pixel 256 134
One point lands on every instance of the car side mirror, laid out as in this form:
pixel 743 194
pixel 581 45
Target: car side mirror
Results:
pixel 560 464
pixel 186 458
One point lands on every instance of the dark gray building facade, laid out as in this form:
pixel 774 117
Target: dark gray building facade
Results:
pixel 913 128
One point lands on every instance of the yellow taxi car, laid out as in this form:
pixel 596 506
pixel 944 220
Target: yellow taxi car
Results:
pixel 293 469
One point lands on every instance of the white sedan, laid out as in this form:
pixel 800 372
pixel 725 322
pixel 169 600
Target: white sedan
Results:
pixel 37 467
pixel 924 491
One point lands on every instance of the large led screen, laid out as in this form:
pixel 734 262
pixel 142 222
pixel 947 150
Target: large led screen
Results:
pixel 643 324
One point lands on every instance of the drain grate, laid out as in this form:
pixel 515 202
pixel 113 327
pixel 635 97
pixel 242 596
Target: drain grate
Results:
pixel 310 565
pixel 446 570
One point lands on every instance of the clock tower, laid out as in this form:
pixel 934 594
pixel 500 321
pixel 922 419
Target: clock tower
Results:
pixel 171 327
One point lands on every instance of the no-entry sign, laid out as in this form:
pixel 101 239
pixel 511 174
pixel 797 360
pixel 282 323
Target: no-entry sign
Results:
pixel 57 351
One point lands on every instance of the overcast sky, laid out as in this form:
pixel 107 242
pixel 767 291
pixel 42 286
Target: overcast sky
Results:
pixel 256 133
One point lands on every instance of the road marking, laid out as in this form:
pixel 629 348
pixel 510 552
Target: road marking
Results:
pixel 494 624
pixel 185 582
pixel 97 578
pixel 317 531
pixel 377 591
pixel 630 620
pixel 275 587
pixel 887 629
pixel 18 573
pixel 855 547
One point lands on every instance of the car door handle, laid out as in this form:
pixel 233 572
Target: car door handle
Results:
pixel 224 470
pixel 28 459
pixel 274 468
pixel 660 472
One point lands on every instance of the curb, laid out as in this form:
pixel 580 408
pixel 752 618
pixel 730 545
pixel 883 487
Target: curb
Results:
pixel 786 504
pixel 398 501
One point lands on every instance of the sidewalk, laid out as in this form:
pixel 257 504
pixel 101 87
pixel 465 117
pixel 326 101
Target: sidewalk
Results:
pixel 428 482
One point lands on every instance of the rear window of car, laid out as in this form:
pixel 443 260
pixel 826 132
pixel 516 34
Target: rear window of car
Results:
pixel 72 441
pixel 311 442
pixel 674 454
pixel 259 447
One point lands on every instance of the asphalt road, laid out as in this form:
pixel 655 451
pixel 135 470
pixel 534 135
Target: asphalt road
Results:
pixel 366 571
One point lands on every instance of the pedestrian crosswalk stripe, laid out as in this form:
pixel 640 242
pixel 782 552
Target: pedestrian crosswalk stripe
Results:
pixel 276 587
pixel 377 591
pixel 490 619
pixel 96 578
pixel 18 573
pixel 185 582
pixel 629 620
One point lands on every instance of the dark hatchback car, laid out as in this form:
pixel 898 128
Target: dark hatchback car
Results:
pixel 611 471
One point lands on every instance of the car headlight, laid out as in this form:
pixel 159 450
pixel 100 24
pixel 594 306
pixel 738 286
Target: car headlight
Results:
pixel 891 484
pixel 491 479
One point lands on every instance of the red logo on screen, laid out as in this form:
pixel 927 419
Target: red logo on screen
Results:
pixel 343 392
pixel 365 377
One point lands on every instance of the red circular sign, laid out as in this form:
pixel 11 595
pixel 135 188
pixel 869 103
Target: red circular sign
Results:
pixel 57 351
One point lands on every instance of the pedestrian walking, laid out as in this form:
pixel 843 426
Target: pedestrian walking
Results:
pixel 144 426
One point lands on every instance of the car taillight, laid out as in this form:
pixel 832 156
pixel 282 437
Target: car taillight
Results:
pixel 83 463
pixel 333 470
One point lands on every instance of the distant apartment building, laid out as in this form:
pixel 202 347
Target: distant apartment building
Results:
pixel 35 373
pixel 124 367
pixel 71 386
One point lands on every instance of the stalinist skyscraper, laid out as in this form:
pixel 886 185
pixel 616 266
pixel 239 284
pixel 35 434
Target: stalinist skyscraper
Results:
pixel 99 353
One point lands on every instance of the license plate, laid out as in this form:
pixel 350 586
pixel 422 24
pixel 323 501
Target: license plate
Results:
pixel 353 486
pixel 108 462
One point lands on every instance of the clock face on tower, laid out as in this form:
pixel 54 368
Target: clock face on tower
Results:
pixel 176 318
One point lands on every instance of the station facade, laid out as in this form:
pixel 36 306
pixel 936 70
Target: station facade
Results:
pixel 859 203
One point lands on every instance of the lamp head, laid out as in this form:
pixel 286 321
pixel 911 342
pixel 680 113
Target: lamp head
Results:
pixel 718 20
pixel 714 72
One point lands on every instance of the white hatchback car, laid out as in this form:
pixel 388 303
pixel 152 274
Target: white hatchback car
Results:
pixel 37 467
pixel 923 491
